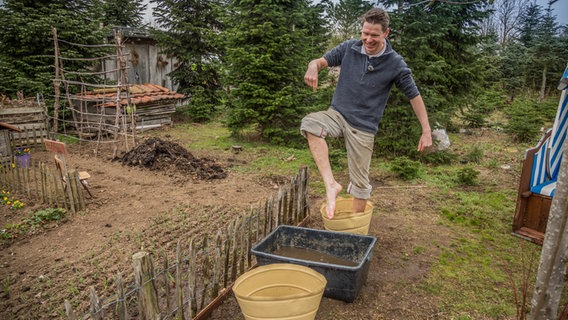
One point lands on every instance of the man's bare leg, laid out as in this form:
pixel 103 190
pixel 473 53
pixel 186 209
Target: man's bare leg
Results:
pixel 359 205
pixel 320 152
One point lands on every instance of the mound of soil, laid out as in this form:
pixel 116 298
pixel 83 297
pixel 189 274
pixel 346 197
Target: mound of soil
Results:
pixel 158 154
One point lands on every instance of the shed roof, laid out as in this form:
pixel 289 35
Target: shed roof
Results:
pixel 139 94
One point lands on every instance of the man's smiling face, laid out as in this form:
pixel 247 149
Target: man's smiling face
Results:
pixel 373 37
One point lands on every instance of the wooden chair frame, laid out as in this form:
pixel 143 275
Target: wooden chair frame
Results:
pixel 59 150
pixel 62 168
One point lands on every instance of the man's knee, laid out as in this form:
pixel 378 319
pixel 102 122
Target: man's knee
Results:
pixel 312 126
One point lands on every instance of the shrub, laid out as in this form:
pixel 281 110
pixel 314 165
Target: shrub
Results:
pixel 439 157
pixel 525 121
pixel 476 113
pixel 474 155
pixel 405 168
pixel 467 176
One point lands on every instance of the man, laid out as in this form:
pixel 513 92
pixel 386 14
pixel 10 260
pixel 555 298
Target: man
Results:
pixel 369 68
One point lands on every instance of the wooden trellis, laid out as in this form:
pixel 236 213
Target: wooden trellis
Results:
pixel 87 124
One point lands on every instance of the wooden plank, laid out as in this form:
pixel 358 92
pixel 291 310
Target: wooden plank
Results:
pixel 20 110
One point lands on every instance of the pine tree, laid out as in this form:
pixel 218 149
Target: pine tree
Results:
pixel 438 41
pixel 26 41
pixel 189 31
pixel 545 56
pixel 268 48
pixel 123 13
pixel 345 17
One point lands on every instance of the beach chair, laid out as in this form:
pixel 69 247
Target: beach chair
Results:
pixel 60 151
pixel 539 173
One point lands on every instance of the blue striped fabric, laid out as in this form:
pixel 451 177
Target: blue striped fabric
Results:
pixel 558 136
pixel 539 175
pixel 547 188
pixel 547 160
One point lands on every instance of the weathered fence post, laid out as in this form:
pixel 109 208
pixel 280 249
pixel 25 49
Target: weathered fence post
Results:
pixel 97 313
pixel 69 311
pixel 144 276
pixel 192 279
pixel 179 289
pixel 121 309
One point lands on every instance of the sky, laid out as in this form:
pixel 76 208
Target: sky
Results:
pixel 559 9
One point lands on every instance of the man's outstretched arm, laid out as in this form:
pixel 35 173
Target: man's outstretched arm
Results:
pixel 422 115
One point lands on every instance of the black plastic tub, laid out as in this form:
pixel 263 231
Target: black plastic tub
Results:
pixel 343 258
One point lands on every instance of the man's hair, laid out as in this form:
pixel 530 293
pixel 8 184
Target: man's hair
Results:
pixel 377 16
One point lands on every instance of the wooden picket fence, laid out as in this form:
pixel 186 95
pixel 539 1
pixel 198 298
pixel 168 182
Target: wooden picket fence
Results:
pixel 201 276
pixel 42 182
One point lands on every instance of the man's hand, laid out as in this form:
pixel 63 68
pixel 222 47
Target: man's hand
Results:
pixel 312 74
pixel 425 141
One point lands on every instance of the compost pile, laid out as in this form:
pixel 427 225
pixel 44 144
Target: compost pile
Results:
pixel 158 154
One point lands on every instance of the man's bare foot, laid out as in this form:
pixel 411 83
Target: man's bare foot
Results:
pixel 331 194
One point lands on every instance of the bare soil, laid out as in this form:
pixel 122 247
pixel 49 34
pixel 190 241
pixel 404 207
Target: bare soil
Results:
pixel 140 196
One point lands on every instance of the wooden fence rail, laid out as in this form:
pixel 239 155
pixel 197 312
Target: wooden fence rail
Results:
pixel 42 182
pixel 204 269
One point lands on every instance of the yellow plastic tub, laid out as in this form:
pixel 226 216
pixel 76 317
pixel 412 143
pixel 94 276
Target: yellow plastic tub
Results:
pixel 280 291
pixel 344 220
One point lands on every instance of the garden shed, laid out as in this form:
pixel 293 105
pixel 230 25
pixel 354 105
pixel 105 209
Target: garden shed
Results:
pixel 145 63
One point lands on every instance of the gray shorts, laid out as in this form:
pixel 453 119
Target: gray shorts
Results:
pixel 359 145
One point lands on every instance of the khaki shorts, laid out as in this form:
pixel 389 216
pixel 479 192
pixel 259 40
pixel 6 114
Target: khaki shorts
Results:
pixel 359 145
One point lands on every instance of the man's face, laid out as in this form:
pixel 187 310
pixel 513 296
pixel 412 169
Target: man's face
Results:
pixel 373 37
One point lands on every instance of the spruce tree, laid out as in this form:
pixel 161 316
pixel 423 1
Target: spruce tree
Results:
pixel 438 40
pixel 189 31
pixel 545 58
pixel 123 13
pixel 345 18
pixel 26 41
pixel 268 45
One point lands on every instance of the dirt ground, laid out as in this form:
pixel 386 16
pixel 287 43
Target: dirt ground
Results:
pixel 41 270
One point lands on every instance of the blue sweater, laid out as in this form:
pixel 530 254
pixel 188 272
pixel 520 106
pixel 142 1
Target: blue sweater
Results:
pixel 364 83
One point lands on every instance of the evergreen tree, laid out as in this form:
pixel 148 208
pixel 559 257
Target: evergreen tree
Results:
pixel 545 59
pixel 123 13
pixel 438 40
pixel 532 17
pixel 26 41
pixel 345 18
pixel 189 31
pixel 268 48
pixel 512 69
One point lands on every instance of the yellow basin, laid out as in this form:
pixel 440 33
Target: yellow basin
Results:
pixel 280 291
pixel 344 220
